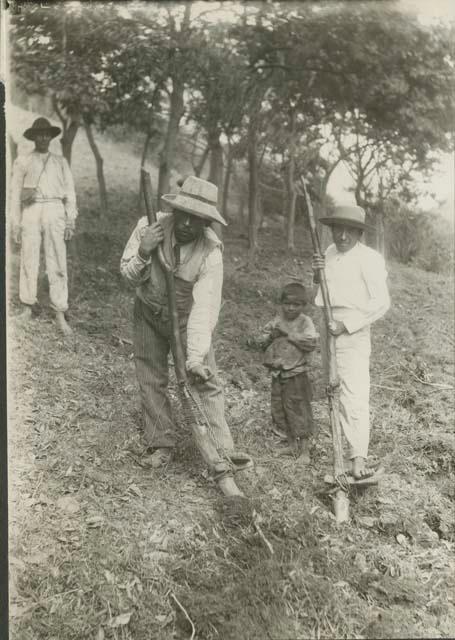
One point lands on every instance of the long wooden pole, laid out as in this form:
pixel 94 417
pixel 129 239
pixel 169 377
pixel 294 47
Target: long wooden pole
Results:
pixel 192 411
pixel 341 504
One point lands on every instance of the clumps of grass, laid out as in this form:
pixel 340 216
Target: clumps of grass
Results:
pixel 439 452
pixel 234 588
pixel 441 523
pixel 388 590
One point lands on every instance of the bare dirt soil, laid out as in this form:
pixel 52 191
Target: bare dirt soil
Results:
pixel 102 547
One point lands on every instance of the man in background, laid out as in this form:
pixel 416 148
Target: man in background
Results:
pixel 43 209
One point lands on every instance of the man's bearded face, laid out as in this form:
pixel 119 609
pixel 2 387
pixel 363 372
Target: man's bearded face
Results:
pixel 187 227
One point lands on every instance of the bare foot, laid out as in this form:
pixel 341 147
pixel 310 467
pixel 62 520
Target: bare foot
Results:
pixel 305 452
pixel 358 468
pixel 298 449
pixel 62 324
pixel 26 314
pixel 280 433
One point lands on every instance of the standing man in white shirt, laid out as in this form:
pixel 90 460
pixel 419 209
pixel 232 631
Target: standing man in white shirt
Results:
pixel 195 252
pixel 43 206
pixel 356 279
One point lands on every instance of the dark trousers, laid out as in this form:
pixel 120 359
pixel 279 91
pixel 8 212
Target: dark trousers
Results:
pixel 291 406
pixel 151 352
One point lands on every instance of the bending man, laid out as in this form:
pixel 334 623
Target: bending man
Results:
pixel 356 279
pixel 195 252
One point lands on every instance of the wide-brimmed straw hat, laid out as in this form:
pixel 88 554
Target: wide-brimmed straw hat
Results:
pixel 41 125
pixel 349 215
pixel 198 197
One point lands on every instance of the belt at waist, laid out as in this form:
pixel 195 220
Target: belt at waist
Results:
pixel 48 199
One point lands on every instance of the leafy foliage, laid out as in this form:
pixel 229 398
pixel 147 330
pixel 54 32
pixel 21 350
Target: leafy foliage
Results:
pixel 284 90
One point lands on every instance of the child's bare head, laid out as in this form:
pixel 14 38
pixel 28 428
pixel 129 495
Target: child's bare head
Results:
pixel 293 298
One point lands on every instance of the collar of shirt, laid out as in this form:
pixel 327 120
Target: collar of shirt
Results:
pixel 41 156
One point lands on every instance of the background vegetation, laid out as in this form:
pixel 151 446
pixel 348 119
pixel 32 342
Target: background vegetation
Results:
pixel 256 95
pixel 101 546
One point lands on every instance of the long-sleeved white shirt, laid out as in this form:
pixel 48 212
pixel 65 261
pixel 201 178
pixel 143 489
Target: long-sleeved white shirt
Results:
pixel 357 283
pixel 51 175
pixel 206 292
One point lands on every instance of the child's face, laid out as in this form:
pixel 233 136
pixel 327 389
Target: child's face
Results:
pixel 291 308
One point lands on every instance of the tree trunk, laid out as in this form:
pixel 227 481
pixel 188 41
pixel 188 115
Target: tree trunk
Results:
pixel 177 105
pixel 290 179
pixel 145 149
pixel 290 241
pixel 167 154
pixel 216 158
pixel 252 193
pixel 241 209
pixel 99 167
pixel 67 139
pixel 260 209
pixel 380 233
pixel 68 130
pixel 227 179
pixel 200 165
pixel 216 170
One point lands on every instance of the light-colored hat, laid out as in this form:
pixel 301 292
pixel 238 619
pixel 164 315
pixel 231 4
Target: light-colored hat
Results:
pixel 349 215
pixel 198 197
pixel 41 125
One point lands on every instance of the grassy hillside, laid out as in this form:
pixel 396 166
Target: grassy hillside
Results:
pixel 102 547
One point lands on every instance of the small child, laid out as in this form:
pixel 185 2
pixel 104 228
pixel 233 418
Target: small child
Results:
pixel 289 339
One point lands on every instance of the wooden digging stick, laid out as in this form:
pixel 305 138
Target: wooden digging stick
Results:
pixel 193 414
pixel 341 502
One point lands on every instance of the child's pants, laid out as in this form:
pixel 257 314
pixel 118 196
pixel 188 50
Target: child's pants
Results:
pixel 44 220
pixel 291 405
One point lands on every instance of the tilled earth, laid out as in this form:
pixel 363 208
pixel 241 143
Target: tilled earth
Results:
pixel 103 547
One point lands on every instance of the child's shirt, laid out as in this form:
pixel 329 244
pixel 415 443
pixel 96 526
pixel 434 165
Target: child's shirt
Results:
pixel 288 354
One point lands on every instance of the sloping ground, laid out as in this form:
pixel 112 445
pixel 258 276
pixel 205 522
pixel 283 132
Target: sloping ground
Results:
pixel 102 547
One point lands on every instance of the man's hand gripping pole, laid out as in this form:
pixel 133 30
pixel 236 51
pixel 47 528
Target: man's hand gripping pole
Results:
pixel 333 386
pixel 193 413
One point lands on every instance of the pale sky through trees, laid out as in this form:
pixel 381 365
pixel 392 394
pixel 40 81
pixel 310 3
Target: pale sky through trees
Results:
pixel 442 183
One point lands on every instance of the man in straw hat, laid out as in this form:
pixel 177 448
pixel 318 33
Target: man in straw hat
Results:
pixel 356 279
pixel 195 252
pixel 43 206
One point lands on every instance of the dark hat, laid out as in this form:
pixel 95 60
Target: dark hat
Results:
pixel 41 125
pixel 351 216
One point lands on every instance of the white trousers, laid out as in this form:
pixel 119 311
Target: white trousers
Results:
pixel 353 363
pixel 44 221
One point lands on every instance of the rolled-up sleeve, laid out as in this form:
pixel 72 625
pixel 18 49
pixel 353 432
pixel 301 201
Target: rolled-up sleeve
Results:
pixel 132 266
pixel 206 308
